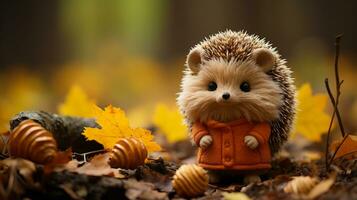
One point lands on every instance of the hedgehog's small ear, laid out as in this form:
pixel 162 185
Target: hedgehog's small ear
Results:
pixel 264 58
pixel 194 60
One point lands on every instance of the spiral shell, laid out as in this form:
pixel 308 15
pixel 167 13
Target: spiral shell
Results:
pixel 128 153
pixel 190 181
pixel 31 141
pixel 300 185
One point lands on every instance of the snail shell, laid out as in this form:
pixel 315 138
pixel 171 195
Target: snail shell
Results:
pixel 128 153
pixel 31 141
pixel 190 181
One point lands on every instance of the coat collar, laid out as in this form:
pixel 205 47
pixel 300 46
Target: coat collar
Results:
pixel 216 124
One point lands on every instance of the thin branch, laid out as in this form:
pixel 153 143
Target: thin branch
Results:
pixel 335 104
pixel 337 55
pixel 333 101
pixel 338 82
pixel 328 140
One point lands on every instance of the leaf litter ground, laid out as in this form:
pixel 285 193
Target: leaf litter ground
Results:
pixel 96 180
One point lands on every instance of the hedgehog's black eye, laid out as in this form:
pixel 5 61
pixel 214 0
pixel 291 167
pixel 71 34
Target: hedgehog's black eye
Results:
pixel 245 87
pixel 212 86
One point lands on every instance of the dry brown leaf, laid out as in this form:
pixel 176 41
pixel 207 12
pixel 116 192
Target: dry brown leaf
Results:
pixel 16 175
pixel 72 165
pixel 301 185
pixel 348 147
pixel 143 190
pixel 74 194
pixel 321 188
pixel 3 141
pixel 61 158
pixel 6 133
pixel 98 166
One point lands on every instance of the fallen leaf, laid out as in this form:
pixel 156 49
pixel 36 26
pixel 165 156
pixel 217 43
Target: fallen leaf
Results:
pixel 170 122
pixel 98 166
pixel 72 165
pixel 16 176
pixel 235 196
pixel 348 147
pixel 115 125
pixel 321 188
pixel 311 119
pixel 61 158
pixel 300 185
pixel 309 156
pixel 69 189
pixel 143 190
pixel 3 142
pixel 161 181
pixel 77 103
pixel 6 133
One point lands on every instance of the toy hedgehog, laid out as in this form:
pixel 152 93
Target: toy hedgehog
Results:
pixel 238 99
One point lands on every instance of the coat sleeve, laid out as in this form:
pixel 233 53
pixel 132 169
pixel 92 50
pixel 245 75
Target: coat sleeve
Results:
pixel 262 132
pixel 198 131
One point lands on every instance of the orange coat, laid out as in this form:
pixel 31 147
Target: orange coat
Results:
pixel 228 150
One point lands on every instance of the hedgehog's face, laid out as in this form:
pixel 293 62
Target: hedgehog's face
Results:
pixel 226 91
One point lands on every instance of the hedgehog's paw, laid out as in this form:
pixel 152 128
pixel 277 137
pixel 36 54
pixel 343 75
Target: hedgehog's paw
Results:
pixel 205 141
pixel 251 178
pixel 251 142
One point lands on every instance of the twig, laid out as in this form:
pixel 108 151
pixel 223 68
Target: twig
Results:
pixel 330 125
pixel 328 140
pixel 338 82
pixel 335 103
pixel 337 55
pixel 337 79
pixel 85 156
pixel 339 123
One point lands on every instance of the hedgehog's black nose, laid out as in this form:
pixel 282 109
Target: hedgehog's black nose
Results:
pixel 226 96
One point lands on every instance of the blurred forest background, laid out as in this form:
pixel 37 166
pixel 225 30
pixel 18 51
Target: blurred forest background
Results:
pixel 130 53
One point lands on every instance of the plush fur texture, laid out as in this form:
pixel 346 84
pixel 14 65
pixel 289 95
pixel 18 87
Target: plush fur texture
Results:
pixel 260 104
pixel 228 59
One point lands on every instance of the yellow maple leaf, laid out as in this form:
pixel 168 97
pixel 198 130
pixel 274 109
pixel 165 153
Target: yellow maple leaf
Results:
pixel 311 120
pixel 115 125
pixel 77 103
pixel 170 122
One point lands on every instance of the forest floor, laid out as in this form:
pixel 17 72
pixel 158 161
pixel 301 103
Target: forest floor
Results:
pixel 96 180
